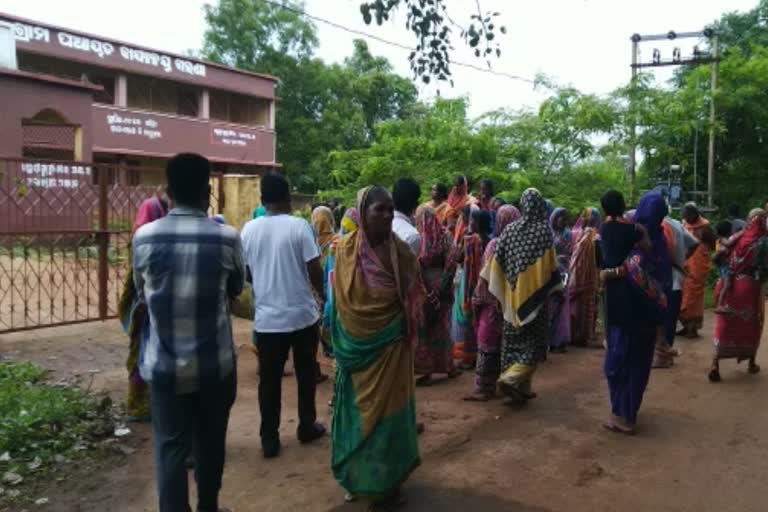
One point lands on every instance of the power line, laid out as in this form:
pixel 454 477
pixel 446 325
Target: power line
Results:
pixel 394 43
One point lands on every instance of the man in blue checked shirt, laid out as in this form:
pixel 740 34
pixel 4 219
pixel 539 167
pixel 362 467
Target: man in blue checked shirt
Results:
pixel 186 269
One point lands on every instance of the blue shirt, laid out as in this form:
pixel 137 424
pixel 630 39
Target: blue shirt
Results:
pixel 186 267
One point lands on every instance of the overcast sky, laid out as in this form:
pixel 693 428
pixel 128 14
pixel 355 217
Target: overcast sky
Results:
pixel 580 42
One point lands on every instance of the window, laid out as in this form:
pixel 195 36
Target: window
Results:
pixel 238 108
pixel 48 135
pixel 162 96
pixel 72 71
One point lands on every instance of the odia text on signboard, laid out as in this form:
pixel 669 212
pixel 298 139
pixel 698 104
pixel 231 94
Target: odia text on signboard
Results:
pixel 139 126
pixel 232 137
pixel 50 175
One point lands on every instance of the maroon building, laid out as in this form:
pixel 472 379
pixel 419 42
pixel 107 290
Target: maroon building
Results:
pixel 76 97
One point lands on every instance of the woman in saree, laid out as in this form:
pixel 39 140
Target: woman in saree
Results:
pixel 376 308
pixel 698 266
pixel 439 202
pixel 737 335
pixel 323 224
pixel 349 223
pixel 434 354
pixel 583 278
pixel 559 305
pixel 469 254
pixel 490 321
pixel 457 199
pixel 521 275
pixel 637 270
pixel 135 320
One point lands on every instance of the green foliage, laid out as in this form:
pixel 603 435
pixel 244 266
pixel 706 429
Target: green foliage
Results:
pixel 37 419
pixel 322 107
pixel 440 142
pixel 432 26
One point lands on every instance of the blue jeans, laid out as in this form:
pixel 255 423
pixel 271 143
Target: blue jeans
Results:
pixel 196 421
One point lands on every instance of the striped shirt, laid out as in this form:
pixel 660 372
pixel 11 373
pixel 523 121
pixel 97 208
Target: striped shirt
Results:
pixel 186 268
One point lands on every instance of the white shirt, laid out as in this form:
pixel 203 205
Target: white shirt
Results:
pixel 403 227
pixel 277 249
pixel 684 241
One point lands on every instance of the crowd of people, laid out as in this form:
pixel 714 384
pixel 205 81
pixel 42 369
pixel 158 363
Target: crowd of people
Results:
pixel 400 292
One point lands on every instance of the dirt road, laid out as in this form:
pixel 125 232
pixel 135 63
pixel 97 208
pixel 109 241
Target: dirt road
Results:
pixel 699 446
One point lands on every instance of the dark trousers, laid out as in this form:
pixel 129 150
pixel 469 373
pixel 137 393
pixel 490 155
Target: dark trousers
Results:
pixel 196 421
pixel 273 353
pixel 674 301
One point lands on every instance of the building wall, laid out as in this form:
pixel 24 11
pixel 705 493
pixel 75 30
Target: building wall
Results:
pixel 22 98
pixel 242 195
pixel 135 132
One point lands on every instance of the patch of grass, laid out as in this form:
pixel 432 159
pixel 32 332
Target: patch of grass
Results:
pixel 43 424
pixel 35 416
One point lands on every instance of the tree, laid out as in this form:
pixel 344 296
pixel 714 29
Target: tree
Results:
pixel 322 107
pixel 431 23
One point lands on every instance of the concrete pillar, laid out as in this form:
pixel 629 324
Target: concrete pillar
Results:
pixel 272 115
pixel 121 90
pixel 204 105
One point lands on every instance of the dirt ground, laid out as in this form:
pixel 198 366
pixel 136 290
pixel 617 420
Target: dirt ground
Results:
pixel 699 445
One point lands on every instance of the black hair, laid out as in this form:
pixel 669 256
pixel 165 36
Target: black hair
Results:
pixel 613 203
pixel 442 191
pixel 460 179
pixel 488 183
pixel 733 211
pixel 499 200
pixel 405 194
pixel 375 193
pixel 724 229
pixel 274 189
pixel 466 211
pixel 188 176
pixel 483 220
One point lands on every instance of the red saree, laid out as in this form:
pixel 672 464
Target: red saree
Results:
pixel 738 335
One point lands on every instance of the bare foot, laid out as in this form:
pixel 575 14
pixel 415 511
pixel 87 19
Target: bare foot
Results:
pixel 477 397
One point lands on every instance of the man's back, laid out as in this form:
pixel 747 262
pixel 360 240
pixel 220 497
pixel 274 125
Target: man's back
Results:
pixel 277 249
pixel 186 268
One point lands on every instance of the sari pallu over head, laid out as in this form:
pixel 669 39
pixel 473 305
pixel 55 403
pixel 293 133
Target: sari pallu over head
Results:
pixel 562 239
pixel 582 272
pixel 322 222
pixel 523 270
pixel 506 215
pixel 374 325
pixel 650 273
pixel 150 210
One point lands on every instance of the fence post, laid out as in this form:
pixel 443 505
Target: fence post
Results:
pixel 102 238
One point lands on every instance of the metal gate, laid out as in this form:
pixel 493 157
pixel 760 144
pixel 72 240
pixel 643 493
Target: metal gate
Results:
pixel 64 234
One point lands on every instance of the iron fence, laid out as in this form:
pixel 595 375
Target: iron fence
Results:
pixel 65 230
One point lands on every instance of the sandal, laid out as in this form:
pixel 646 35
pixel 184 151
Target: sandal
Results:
pixel 612 427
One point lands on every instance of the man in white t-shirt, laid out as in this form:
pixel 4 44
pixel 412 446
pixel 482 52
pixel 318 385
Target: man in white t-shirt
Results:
pixel 405 195
pixel 283 259
pixel 685 243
